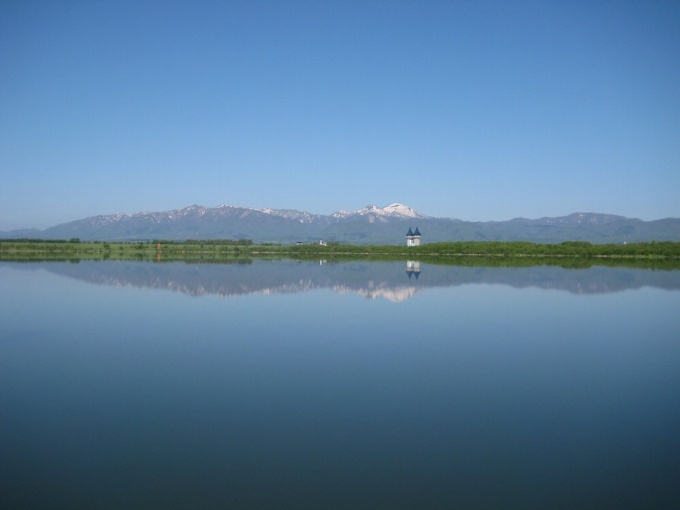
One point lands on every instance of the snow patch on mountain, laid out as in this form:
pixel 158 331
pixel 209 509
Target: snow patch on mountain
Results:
pixel 290 214
pixel 341 214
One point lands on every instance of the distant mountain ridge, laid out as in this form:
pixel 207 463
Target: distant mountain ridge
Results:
pixel 368 225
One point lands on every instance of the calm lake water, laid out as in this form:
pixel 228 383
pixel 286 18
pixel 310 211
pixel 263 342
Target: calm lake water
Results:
pixel 349 385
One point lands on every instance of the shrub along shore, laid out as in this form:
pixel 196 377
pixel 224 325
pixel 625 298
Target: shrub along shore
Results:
pixel 28 249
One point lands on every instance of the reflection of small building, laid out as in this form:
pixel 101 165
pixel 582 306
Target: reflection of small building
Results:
pixel 413 238
pixel 412 268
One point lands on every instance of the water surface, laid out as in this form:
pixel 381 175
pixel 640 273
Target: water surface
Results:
pixel 351 385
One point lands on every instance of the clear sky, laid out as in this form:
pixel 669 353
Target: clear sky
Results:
pixel 478 110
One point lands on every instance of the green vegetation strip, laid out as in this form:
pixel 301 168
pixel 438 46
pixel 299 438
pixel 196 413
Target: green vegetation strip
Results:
pixel 160 250
pixel 664 249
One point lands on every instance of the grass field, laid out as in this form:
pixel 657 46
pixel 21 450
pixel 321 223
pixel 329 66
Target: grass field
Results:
pixel 573 254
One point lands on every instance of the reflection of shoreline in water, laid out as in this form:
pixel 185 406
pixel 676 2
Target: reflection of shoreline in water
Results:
pixel 369 279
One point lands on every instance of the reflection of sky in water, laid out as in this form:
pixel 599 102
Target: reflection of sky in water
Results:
pixel 470 395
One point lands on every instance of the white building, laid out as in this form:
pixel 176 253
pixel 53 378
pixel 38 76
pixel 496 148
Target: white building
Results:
pixel 413 238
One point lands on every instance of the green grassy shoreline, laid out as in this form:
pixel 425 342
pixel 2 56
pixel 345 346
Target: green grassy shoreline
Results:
pixel 572 253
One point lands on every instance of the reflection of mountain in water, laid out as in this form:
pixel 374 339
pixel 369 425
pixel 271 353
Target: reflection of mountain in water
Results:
pixel 395 281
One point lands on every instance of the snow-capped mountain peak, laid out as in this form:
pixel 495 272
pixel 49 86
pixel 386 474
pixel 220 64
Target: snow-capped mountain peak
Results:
pixel 402 210
pixel 395 210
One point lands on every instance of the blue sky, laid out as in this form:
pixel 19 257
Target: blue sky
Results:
pixel 478 110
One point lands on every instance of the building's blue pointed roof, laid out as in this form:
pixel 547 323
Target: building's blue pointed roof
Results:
pixel 417 232
pixel 409 233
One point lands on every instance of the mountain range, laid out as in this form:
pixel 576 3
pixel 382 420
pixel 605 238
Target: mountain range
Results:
pixel 369 225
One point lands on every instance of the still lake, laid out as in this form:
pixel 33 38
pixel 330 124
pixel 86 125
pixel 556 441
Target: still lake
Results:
pixel 284 384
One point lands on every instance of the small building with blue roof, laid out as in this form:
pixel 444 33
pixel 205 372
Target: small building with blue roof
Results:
pixel 413 238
